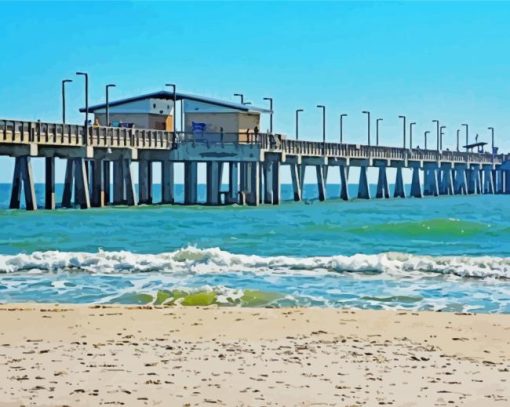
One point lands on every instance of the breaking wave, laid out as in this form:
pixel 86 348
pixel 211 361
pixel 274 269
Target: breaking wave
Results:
pixel 214 260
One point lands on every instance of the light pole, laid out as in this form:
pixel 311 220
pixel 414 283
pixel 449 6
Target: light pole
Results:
pixel 297 122
pixel 411 134
pixel 323 125
pixel 270 114
pixel 492 138
pixel 368 124
pixel 458 139
pixel 172 85
pixel 107 88
pixel 426 134
pixel 467 134
pixel 342 127
pixel 377 121
pixel 64 99
pixel 86 76
pixel 441 137
pixel 437 123
pixel 404 128
pixel 241 96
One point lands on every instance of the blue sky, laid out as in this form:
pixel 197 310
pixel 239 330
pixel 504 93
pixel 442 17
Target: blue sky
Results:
pixel 427 60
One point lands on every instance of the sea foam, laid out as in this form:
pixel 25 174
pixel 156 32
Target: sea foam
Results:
pixel 214 260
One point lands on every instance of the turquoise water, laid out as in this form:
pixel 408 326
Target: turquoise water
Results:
pixel 447 253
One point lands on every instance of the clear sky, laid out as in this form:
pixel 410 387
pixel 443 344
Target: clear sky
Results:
pixel 427 60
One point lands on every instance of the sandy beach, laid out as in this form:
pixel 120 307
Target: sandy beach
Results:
pixel 118 355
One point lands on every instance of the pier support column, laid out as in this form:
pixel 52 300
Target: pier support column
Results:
pixel 23 176
pixel 254 181
pixel 296 184
pixel 446 182
pixel 506 181
pixel 268 182
pixel 363 190
pixel 167 182
pixel 98 184
pixel 68 184
pixel 474 180
pixel 383 191
pixel 276 183
pixel 233 182
pixel 145 181
pixel 49 184
pixel 431 184
pixel 500 182
pixel 344 182
pixel 106 182
pixel 213 193
pixel 190 182
pixel 488 181
pixel 320 182
pixel 400 191
pixel 118 183
pixel 416 191
pixel 129 185
pixel 81 183
pixel 460 181
pixel 302 171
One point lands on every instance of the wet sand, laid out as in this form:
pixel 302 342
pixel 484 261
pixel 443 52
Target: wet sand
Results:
pixel 117 355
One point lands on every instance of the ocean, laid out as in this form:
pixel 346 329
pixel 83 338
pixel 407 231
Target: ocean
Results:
pixel 439 254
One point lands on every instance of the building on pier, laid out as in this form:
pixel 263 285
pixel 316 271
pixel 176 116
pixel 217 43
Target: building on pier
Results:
pixel 156 111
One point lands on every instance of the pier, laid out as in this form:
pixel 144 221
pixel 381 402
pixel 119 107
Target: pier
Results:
pixel 99 162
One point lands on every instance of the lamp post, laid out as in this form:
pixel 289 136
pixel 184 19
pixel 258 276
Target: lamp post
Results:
pixel 441 137
pixel 107 88
pixel 174 88
pixel 404 128
pixel 492 138
pixel 342 127
pixel 411 134
pixel 426 134
pixel 64 99
pixel 270 114
pixel 368 124
pixel 458 139
pixel 86 76
pixel 241 96
pixel 437 123
pixel 297 122
pixel 377 121
pixel 323 126
pixel 467 134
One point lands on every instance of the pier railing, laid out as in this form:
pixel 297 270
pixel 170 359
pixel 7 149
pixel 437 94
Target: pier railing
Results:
pixel 58 134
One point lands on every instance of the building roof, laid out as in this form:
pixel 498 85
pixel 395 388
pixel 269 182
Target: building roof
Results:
pixel 180 96
pixel 479 144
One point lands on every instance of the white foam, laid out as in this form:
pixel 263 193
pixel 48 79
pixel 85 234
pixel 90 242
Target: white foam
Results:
pixel 214 260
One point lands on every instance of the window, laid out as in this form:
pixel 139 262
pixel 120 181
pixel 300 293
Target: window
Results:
pixel 154 105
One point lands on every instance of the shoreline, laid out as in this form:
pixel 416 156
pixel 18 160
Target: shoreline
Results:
pixel 139 355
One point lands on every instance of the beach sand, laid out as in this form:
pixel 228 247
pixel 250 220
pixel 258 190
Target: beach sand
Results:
pixel 119 355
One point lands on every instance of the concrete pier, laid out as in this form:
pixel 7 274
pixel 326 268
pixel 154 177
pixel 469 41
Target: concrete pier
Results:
pixel 400 191
pixel 344 182
pixel 321 187
pixel 416 190
pixel 296 182
pixel 49 184
pixel 190 182
pixel 383 190
pixel 167 182
pixel 23 177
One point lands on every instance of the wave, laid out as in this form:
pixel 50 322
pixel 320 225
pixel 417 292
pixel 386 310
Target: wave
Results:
pixel 214 260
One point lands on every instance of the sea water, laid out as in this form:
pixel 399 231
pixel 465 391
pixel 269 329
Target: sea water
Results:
pixel 446 253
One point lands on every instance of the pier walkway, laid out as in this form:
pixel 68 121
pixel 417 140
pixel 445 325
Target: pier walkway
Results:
pixel 254 166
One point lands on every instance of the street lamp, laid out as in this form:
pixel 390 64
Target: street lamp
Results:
pixel 426 133
pixel 404 128
pixel 297 122
pixel 368 122
pixel 437 123
pixel 270 114
pixel 411 134
pixel 86 76
pixel 458 138
pixel 441 137
pixel 342 127
pixel 377 131
pixel 111 85
pixel 323 125
pixel 64 99
pixel 172 85
pixel 241 96
pixel 467 134
pixel 492 138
